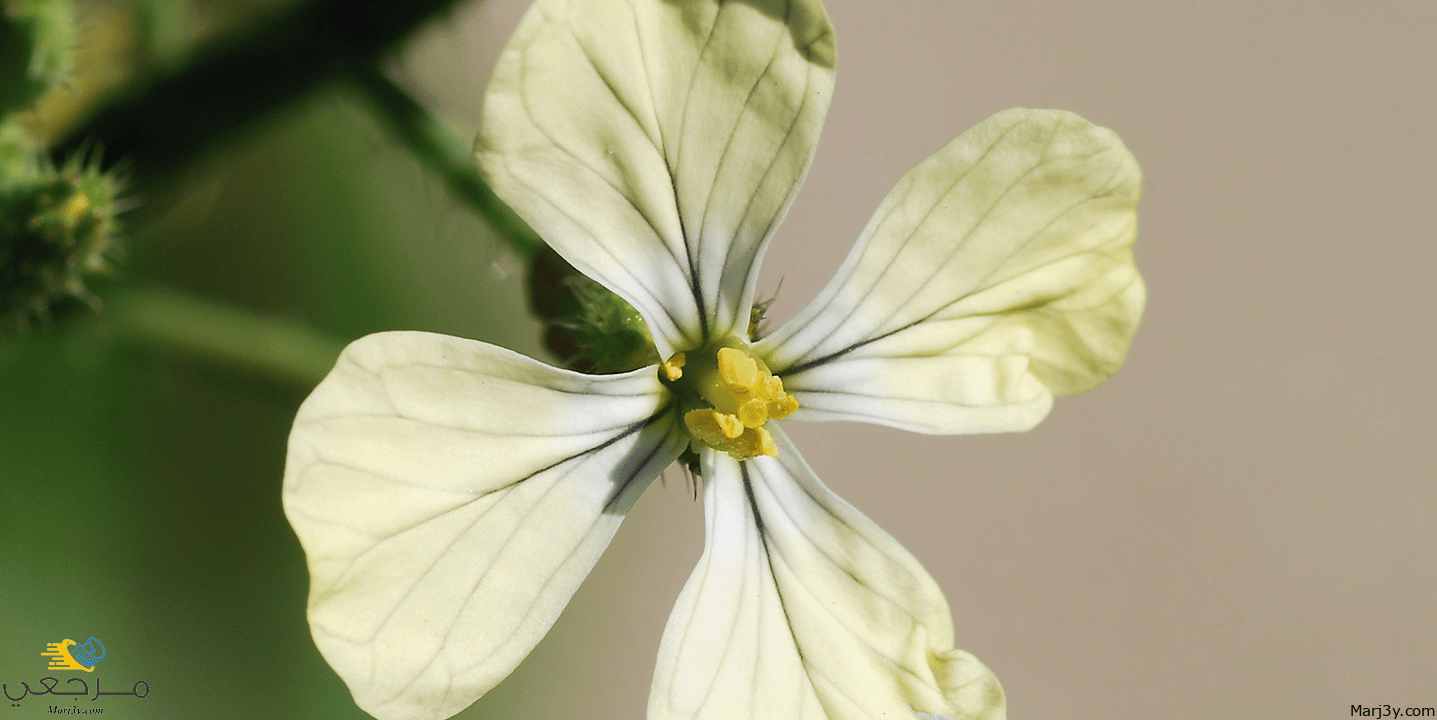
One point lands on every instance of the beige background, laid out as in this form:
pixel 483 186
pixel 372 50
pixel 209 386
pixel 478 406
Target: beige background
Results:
pixel 1243 522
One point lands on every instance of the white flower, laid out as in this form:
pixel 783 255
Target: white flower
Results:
pixel 451 495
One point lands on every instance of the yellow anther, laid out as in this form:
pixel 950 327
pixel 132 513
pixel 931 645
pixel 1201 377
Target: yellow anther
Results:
pixel 723 432
pixel 759 443
pixel 753 413
pixel 772 388
pixel 737 370
pixel 673 368
pixel 782 407
pixel 741 395
pixel 712 426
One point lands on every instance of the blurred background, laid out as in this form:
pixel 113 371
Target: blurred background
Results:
pixel 1243 521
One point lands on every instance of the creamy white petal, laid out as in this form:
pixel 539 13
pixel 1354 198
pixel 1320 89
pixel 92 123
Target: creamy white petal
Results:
pixel 657 144
pixel 996 273
pixel 450 497
pixel 802 608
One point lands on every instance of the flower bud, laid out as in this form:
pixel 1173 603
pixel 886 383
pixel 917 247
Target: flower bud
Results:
pixel 57 227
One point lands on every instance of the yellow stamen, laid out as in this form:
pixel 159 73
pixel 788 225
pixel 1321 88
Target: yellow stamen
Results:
pixel 742 395
pixel 753 413
pixel 712 426
pixel 723 432
pixel 673 368
pixel 737 370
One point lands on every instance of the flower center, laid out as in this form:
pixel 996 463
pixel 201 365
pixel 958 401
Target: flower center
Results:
pixel 732 394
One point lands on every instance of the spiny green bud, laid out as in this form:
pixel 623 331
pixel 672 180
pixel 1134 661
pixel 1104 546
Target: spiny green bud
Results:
pixel 37 42
pixel 56 228
pixel 592 329
pixel 611 334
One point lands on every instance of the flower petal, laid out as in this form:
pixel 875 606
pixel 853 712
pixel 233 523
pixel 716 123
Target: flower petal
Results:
pixel 802 608
pixel 656 145
pixel 997 272
pixel 450 497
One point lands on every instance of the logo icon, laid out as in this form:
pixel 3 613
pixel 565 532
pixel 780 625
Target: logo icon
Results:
pixel 70 655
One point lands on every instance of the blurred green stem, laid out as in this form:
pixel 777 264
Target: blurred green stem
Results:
pixel 175 115
pixel 171 117
pixel 165 120
pixel 448 155
pixel 285 349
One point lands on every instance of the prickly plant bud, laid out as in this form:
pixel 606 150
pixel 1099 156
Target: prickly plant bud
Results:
pixel 56 229
pixel 590 328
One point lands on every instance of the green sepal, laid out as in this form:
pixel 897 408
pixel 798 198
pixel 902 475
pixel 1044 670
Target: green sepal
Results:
pixel 589 328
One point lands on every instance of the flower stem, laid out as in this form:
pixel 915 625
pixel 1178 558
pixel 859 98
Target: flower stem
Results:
pixel 449 156
pixel 284 349
pixel 162 122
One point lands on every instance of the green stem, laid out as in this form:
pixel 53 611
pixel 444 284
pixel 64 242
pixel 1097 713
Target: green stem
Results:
pixel 284 349
pixel 164 121
pixel 434 143
pixel 167 120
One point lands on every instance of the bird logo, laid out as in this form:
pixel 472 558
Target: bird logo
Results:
pixel 70 655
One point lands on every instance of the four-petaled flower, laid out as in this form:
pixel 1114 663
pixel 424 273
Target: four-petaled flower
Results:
pixel 451 495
